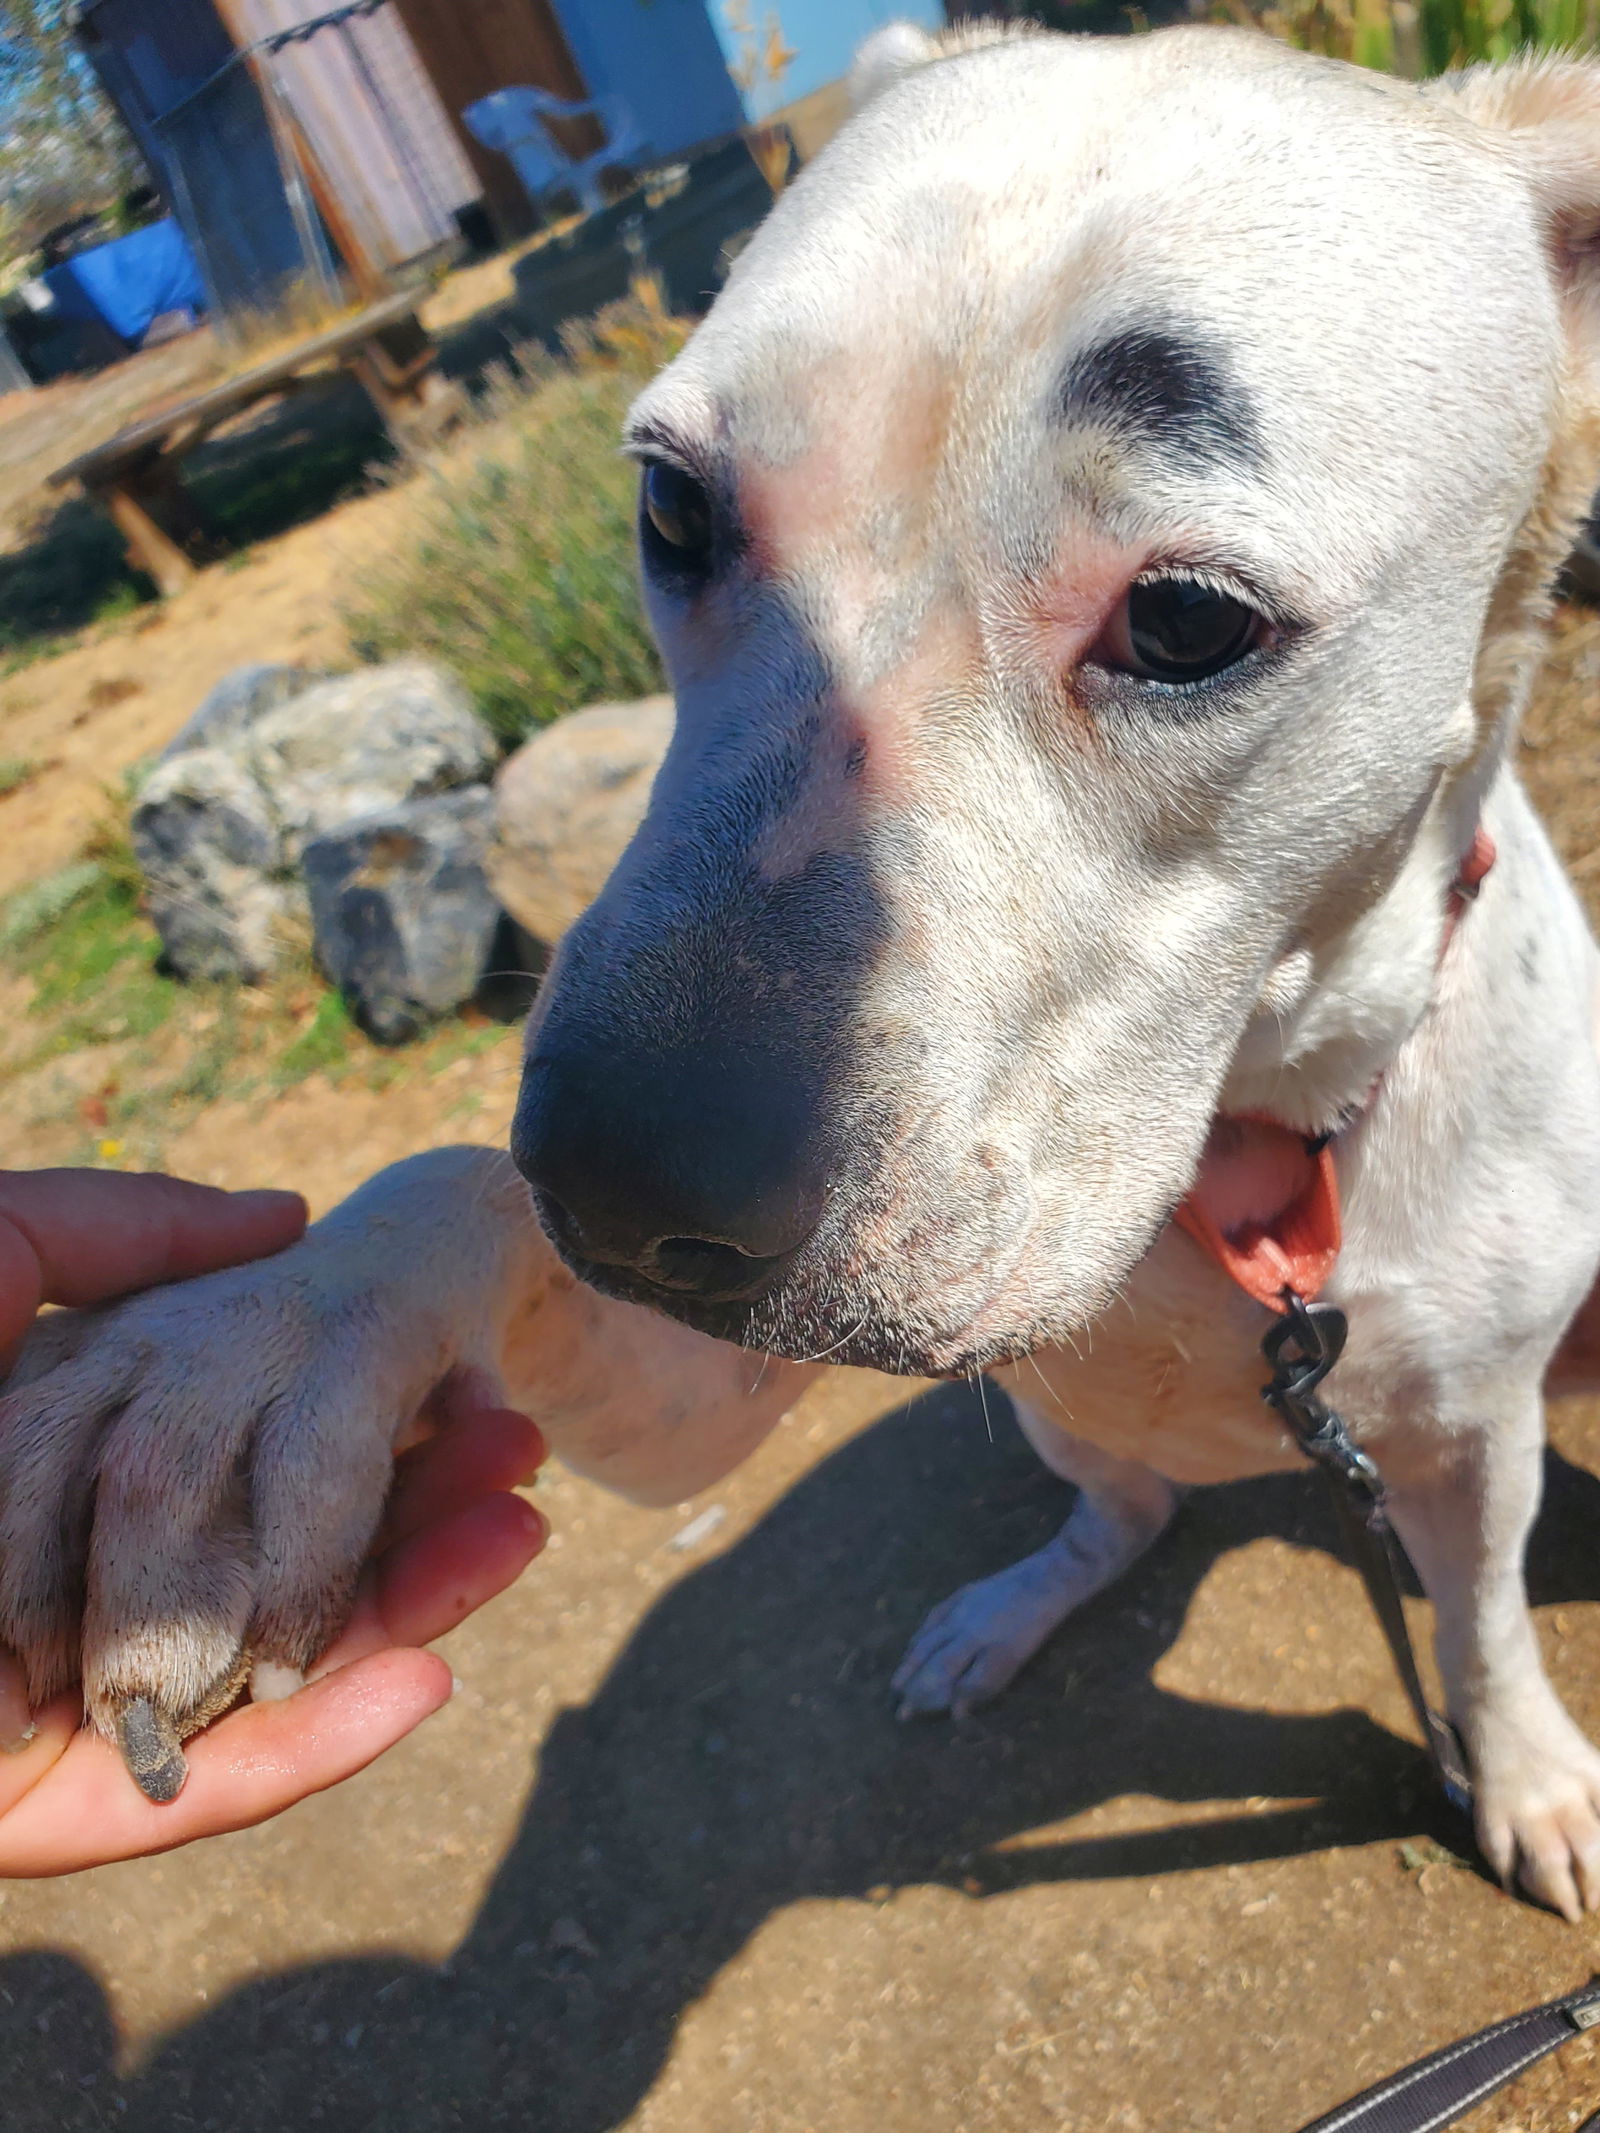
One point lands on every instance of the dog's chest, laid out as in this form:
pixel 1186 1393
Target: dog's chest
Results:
pixel 1170 1376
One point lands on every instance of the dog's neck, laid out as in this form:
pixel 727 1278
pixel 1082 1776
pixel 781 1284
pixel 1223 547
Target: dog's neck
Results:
pixel 1332 1015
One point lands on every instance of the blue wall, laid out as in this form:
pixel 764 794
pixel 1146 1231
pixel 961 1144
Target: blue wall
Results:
pixel 669 59
pixel 663 59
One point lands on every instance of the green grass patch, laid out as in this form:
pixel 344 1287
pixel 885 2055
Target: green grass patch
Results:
pixel 17 771
pixel 171 1049
pixel 1422 37
pixel 329 1041
pixel 93 968
pixel 519 573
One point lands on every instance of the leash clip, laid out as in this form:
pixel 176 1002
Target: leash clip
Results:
pixel 1302 1347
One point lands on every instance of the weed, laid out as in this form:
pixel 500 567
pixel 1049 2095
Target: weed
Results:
pixel 329 1040
pixel 17 771
pixel 93 968
pixel 43 903
pixel 519 573
pixel 1418 37
pixel 109 844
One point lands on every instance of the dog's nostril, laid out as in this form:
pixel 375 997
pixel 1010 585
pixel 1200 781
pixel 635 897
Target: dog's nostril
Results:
pixel 561 1222
pixel 701 1266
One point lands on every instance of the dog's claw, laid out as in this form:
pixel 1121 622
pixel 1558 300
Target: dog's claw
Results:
pixel 150 1748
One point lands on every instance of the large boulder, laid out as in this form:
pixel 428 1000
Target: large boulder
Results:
pixel 219 828
pixel 212 857
pixel 566 804
pixel 403 916
pixel 237 701
pixel 365 742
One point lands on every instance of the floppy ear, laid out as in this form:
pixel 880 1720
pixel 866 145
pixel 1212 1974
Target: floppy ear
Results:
pixel 1546 113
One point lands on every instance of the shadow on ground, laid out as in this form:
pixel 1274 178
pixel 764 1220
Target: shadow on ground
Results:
pixel 740 1757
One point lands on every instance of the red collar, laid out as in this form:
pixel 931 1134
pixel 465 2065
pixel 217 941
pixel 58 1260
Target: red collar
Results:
pixel 1253 1161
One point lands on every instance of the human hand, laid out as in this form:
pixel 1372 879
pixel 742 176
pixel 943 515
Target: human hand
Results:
pixel 453 1537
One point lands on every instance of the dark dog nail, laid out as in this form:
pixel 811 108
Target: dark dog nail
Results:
pixel 149 1744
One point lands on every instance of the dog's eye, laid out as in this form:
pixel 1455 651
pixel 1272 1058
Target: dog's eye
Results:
pixel 678 510
pixel 1179 629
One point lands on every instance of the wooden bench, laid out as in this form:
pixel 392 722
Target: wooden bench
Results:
pixel 137 475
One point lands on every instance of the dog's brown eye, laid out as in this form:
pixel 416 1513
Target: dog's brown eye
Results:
pixel 1178 630
pixel 678 510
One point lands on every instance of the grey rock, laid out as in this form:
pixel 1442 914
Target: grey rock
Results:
pixel 566 805
pixel 403 915
pixel 211 854
pixel 363 743
pixel 237 701
pixel 219 828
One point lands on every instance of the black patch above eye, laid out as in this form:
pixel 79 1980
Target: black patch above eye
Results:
pixel 676 511
pixel 1171 388
pixel 1181 630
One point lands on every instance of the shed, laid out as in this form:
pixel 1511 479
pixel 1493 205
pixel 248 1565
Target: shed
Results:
pixel 200 123
pixel 284 134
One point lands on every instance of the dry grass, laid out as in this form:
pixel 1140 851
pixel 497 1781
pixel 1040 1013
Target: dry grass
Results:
pixel 519 573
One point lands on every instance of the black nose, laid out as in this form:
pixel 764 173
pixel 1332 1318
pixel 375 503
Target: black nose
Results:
pixel 691 1173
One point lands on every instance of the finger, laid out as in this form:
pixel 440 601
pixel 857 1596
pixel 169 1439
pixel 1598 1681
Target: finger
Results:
pixel 424 1585
pixel 492 1449
pixel 80 1236
pixel 249 1766
pixel 54 1728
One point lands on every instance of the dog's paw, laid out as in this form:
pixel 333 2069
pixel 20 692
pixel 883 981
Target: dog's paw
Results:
pixel 1537 1802
pixel 189 1482
pixel 974 1644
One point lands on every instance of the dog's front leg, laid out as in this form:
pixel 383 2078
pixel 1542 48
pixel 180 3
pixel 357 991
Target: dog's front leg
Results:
pixel 976 1642
pixel 190 1480
pixel 1464 1508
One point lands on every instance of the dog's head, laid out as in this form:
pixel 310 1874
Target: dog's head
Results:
pixel 1073 539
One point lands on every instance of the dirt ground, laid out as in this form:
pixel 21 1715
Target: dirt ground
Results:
pixel 122 691
pixel 668 1863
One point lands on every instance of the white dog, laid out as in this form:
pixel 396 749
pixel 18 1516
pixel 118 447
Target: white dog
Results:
pixel 1099 540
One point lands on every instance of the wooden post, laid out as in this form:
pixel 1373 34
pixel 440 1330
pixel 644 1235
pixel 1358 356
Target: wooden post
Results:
pixel 149 548
pixel 371 282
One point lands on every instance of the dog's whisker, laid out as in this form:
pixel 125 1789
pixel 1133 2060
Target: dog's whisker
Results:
pixel 983 1402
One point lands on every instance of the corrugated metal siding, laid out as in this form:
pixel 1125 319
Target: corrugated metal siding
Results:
pixel 374 122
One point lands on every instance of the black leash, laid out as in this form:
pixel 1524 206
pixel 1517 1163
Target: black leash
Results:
pixel 1439 2089
pixel 1302 1347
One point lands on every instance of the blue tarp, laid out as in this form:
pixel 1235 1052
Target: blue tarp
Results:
pixel 130 281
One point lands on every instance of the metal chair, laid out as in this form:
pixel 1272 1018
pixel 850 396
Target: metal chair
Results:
pixel 515 121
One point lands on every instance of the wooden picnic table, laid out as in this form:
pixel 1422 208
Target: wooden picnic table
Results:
pixel 137 475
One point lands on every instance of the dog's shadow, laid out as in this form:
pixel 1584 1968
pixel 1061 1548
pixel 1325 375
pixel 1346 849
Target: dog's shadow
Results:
pixel 741 1756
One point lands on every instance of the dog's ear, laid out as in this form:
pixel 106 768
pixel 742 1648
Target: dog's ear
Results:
pixel 888 54
pixel 1546 113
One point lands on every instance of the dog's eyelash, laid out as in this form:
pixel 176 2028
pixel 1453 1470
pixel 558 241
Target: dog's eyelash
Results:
pixel 647 446
pixel 1270 609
